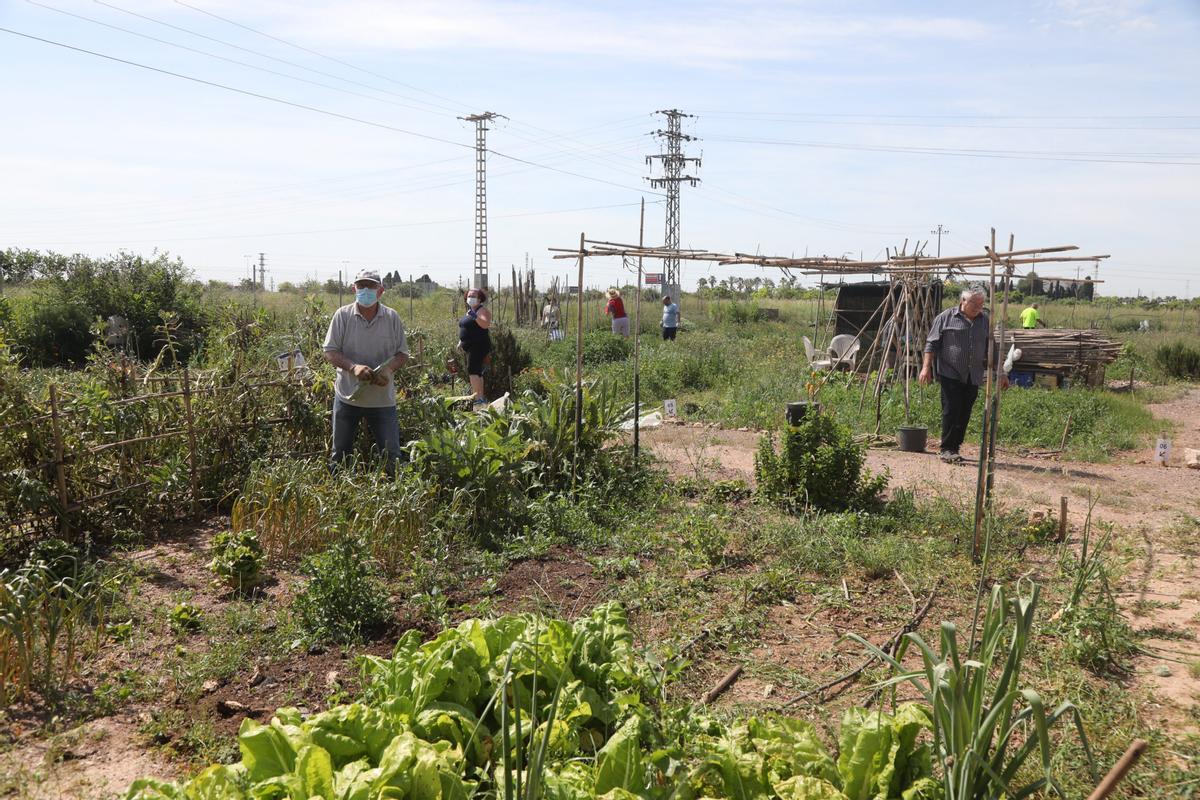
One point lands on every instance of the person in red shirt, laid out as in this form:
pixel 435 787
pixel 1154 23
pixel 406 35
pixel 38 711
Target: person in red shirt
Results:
pixel 616 309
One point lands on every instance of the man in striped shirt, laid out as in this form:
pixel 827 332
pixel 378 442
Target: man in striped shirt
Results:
pixel 958 342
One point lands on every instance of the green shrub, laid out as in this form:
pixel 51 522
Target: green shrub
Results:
pixel 238 558
pixel 345 599
pixel 509 359
pixel 49 330
pixel 53 325
pixel 1178 360
pixel 819 467
pixel 499 461
pixel 603 347
pixel 739 313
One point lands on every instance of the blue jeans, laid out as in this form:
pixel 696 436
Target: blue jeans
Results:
pixel 384 426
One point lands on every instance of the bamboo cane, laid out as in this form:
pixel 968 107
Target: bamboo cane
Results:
pixel 60 470
pixel 191 433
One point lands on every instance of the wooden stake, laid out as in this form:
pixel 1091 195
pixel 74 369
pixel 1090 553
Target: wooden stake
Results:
pixel 1119 770
pixel 1062 445
pixel 724 684
pixel 191 432
pixel 637 337
pixel 60 469
pixel 578 368
pixel 1000 354
pixel 981 477
pixel 1062 518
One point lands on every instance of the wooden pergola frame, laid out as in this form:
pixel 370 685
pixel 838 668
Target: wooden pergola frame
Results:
pixel 899 267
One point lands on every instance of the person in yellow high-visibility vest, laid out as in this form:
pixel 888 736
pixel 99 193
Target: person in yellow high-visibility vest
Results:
pixel 1031 317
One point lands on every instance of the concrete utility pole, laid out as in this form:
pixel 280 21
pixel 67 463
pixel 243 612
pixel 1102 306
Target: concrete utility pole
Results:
pixel 674 162
pixel 940 230
pixel 479 279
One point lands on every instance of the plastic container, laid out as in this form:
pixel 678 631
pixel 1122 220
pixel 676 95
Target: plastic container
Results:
pixel 912 438
pixel 796 412
pixel 1022 378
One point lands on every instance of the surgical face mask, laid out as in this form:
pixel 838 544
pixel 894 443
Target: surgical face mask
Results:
pixel 472 301
pixel 366 296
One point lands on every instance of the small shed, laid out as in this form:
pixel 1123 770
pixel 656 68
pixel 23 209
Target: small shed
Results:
pixel 857 309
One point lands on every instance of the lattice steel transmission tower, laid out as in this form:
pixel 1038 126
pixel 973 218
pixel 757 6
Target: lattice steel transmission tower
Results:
pixel 673 163
pixel 479 278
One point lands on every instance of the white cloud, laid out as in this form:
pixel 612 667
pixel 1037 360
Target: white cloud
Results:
pixel 1127 16
pixel 720 34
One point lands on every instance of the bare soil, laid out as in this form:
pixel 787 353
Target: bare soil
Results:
pixel 1147 502
pixel 800 647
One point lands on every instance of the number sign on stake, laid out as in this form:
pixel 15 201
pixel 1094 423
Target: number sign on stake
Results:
pixel 1162 450
pixel 669 408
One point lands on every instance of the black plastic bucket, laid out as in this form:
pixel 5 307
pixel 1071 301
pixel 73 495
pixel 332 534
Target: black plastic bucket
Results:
pixel 796 412
pixel 912 438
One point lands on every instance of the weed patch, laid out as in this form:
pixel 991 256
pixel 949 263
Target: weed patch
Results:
pixel 345 600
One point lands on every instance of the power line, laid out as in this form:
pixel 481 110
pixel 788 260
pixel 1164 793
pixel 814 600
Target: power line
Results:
pixel 924 122
pixel 304 107
pixel 290 63
pixel 359 228
pixel 236 90
pixel 955 116
pixel 228 60
pixel 256 208
pixel 95 214
pixel 310 51
pixel 938 151
pixel 832 224
pixel 259 53
pixel 344 63
pixel 566 171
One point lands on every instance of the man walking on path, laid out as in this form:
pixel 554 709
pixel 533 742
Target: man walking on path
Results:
pixel 1031 318
pixel 366 343
pixel 958 340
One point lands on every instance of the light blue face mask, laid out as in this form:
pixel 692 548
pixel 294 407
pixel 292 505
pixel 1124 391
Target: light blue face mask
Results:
pixel 366 297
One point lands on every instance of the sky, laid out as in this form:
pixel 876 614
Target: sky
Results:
pixel 327 135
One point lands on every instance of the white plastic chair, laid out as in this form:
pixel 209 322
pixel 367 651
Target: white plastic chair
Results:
pixel 813 361
pixel 843 351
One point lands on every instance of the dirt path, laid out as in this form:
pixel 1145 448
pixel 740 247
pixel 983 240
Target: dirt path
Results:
pixel 1155 507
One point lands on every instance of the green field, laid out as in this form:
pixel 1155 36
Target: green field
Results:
pixel 524 611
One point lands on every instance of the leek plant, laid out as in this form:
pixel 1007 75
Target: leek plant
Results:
pixel 990 733
pixel 52 613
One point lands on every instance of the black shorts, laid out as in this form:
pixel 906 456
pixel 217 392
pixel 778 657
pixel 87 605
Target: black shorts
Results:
pixel 476 361
pixel 669 333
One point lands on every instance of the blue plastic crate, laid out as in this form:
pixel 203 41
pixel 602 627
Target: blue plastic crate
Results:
pixel 1021 378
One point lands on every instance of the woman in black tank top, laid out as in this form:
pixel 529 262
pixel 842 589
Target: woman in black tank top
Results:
pixel 474 339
